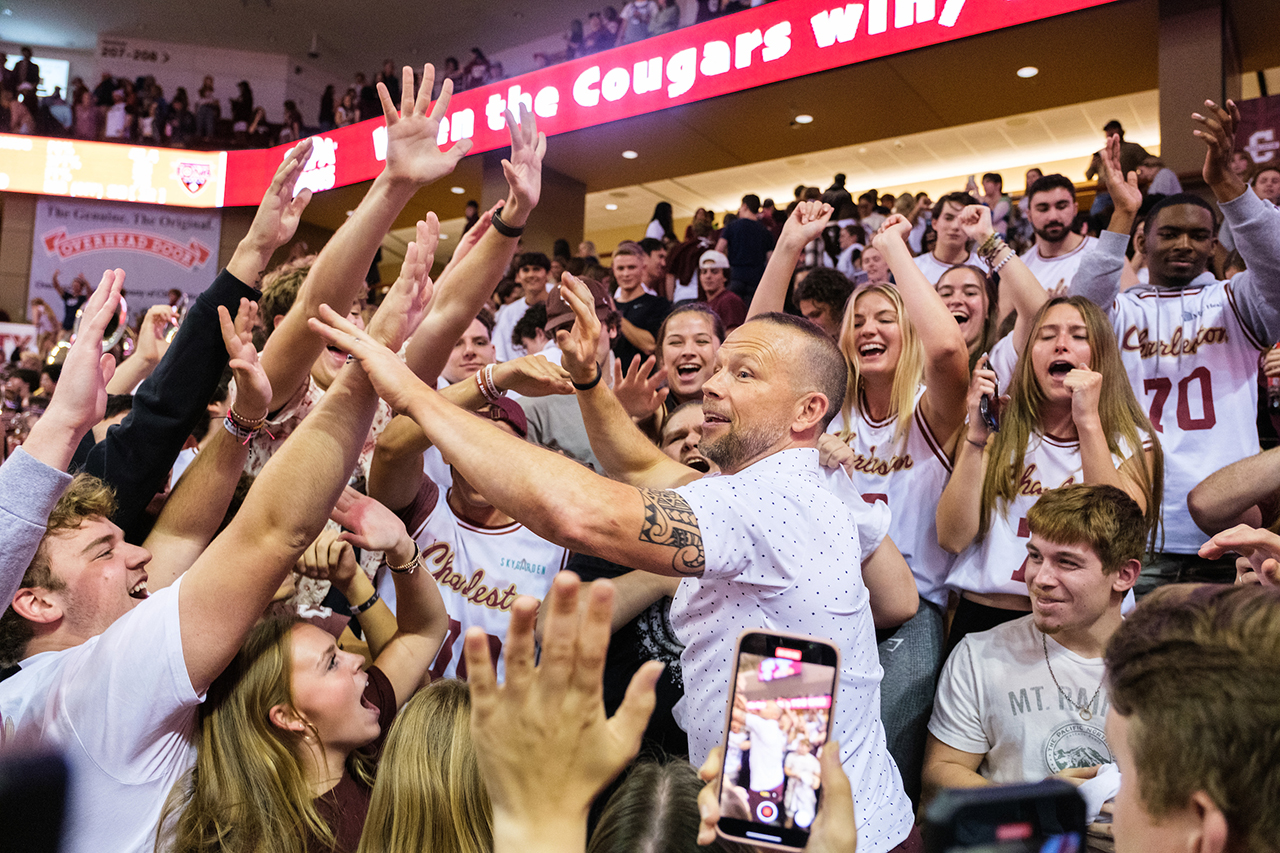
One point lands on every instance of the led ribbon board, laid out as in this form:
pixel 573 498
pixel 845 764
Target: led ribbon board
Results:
pixel 773 42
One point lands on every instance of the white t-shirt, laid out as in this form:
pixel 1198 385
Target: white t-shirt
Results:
pixel 997 698
pixel 768 746
pixel 909 478
pixel 802 797
pixel 1193 365
pixel 503 325
pixel 1051 272
pixel 934 268
pixel 997 562
pixel 784 543
pixel 480 571
pixel 121 709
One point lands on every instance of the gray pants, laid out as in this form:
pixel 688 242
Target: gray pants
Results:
pixel 1168 567
pixel 912 658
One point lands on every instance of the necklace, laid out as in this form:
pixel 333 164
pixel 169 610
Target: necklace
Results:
pixel 1083 710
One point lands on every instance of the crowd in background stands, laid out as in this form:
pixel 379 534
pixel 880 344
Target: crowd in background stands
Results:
pixel 118 109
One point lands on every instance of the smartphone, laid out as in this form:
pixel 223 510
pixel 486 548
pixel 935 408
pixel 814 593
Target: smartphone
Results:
pixel 987 409
pixel 781 697
pixel 1042 817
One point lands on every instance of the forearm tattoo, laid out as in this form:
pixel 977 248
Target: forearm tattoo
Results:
pixel 669 520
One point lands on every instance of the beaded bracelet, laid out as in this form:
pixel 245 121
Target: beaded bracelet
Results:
pixel 997 267
pixel 407 568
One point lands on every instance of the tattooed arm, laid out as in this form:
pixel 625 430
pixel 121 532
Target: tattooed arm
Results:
pixel 669 521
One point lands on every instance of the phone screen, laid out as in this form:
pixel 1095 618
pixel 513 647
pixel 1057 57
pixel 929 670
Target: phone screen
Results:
pixel 783 689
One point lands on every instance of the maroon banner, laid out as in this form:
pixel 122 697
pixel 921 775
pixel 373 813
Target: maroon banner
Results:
pixel 1259 132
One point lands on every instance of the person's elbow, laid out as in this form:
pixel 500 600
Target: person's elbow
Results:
pixel 897 610
pixel 953 540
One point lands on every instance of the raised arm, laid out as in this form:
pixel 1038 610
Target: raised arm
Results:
pixel 802 227
pixel 137 454
pixel 946 363
pixel 1020 290
pixel 151 348
pixel 1244 492
pixel 33 478
pixel 1098 276
pixel 959 509
pixel 616 441
pixel 195 509
pixel 421 619
pixel 1254 224
pixel 224 593
pixel 556 498
pixel 1098 465
pixel 463 290
pixel 414 159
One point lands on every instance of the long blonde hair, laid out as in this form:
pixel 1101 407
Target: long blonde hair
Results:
pixel 429 794
pixel 907 376
pixel 1122 418
pixel 248 791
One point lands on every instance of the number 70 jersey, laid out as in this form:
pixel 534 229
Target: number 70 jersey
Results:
pixel 1193 365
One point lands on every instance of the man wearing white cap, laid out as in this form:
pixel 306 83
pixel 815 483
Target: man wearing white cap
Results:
pixel 713 275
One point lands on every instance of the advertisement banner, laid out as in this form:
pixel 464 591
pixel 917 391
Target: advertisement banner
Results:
pixel 1259 132
pixel 158 248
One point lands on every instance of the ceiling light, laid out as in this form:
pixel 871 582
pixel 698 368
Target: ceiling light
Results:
pixel 457 190
pixel 804 118
pixel 610 207
pixel 1028 71
pixel 629 155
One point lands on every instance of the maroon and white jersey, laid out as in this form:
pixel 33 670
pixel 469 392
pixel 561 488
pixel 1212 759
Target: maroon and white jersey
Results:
pixel 480 571
pixel 908 476
pixel 1193 365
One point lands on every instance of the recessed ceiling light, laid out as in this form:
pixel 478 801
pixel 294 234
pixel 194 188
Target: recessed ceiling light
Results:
pixel 457 190
pixel 610 207
pixel 444 236
pixel 804 118
pixel 862 150
pixel 8 11
pixel 1028 71
pixel 629 155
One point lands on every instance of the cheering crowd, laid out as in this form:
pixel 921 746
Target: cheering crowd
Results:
pixel 336 577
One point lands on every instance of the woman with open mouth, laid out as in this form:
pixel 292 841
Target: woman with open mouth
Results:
pixel 908 376
pixel 1070 417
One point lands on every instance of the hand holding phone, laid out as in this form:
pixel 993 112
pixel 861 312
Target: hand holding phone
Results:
pixel 834 830
pixel 777 722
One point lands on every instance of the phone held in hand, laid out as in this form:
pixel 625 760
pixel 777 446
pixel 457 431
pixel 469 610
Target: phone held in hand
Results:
pixel 987 408
pixel 780 704
pixel 1041 817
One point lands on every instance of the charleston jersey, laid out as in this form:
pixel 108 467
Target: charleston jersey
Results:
pixel 480 571
pixel 908 477
pixel 1193 365
pixel 997 562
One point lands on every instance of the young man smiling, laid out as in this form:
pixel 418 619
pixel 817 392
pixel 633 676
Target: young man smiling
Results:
pixel 1027 699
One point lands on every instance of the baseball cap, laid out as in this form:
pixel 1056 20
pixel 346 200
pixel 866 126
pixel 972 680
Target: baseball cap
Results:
pixel 560 315
pixel 508 410
pixel 713 260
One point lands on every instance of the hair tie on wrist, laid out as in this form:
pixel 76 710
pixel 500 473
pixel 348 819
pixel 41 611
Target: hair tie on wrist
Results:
pixel 587 386
pixel 373 599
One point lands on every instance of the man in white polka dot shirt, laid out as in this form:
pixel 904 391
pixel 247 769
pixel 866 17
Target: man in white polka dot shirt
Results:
pixel 776 541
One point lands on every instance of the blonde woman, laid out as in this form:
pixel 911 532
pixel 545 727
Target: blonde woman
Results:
pixel 429 794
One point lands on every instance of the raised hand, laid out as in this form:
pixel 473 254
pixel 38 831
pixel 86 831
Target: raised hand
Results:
pixel 1123 188
pixel 277 218
pixel 640 390
pixel 1085 386
pixel 253 388
pixel 1218 132
pixel 532 376
pixel 580 344
pixel 806 222
pixel 543 744
pixel 329 558
pixel 406 302
pixel 975 220
pixel 151 333
pixel 81 396
pixel 894 229
pixel 524 170
pixel 391 377
pixel 413 149
pixel 469 240
pixel 370 525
